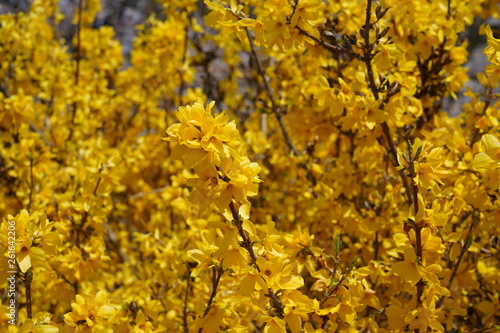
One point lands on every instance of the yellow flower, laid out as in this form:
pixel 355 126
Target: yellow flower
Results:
pixel 488 162
pixel 87 311
pixel 274 325
pixel 490 158
pixel 30 327
pixel 493 48
pixel 34 238
pixel 210 146
pixel 408 269
pixel 279 275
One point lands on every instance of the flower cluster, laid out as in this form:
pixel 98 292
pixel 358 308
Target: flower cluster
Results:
pixel 211 147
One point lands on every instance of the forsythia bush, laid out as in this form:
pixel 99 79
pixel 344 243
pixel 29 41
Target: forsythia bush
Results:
pixel 310 178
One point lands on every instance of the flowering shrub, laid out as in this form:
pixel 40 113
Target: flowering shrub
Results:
pixel 259 166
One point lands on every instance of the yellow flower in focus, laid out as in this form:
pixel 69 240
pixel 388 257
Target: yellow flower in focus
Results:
pixel 87 311
pixel 200 135
pixel 210 146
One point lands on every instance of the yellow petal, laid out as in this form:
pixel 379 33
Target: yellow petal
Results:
pixel 37 254
pixel 490 142
pixel 294 322
pixel 482 161
pixel 396 317
pixel 407 270
pixel 247 284
pixel 275 325
pixel 52 238
pixel 24 262
pixel 106 311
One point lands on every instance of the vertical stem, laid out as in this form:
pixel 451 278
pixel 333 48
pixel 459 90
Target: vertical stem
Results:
pixel 394 152
pixel 418 227
pixel 186 295
pixel 464 249
pixel 216 276
pixel 182 84
pixel 375 247
pixel 31 185
pixel 274 105
pixel 275 301
pixel 420 283
pixel 78 41
pixel 77 58
pixel 368 55
pixel 488 99
pixel 367 58
pixel 245 243
pixel 277 112
pixel 28 277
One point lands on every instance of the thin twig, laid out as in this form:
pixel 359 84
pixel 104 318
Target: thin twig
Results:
pixel 186 295
pixel 277 112
pixel 182 84
pixel 142 194
pixel 275 301
pixel 367 59
pixel 28 278
pixel 274 105
pixel 77 69
pixel 334 287
pixel 463 250
pixel 394 153
pixel 367 50
pixel 412 159
pixel 490 326
pixel 245 243
pixel 489 98
pixel 31 185
pixel 216 276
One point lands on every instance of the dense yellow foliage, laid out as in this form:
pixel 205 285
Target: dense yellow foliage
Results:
pixel 257 166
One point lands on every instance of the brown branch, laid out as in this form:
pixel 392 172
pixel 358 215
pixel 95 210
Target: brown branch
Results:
pixel 394 153
pixel 489 327
pixel 333 288
pixel 277 112
pixel 412 159
pixel 489 98
pixel 28 278
pixel 186 295
pixel 367 50
pixel 245 243
pixel 328 46
pixel 463 250
pixel 78 42
pixel 367 59
pixel 78 45
pixel 77 69
pixel 274 106
pixel 216 276
pixel 182 85
pixel 274 299
pixel 31 185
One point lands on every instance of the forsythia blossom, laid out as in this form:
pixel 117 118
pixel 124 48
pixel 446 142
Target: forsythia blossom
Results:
pixel 210 146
